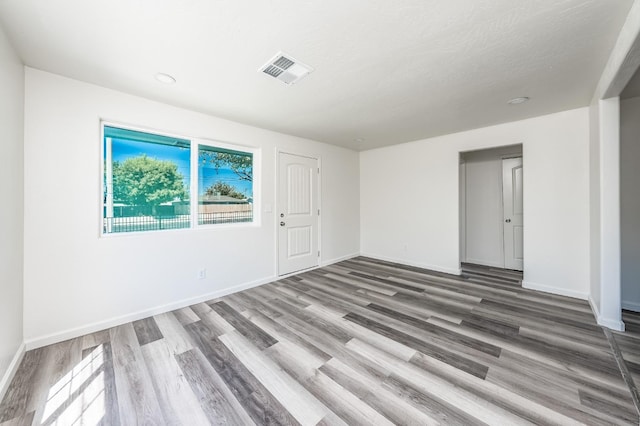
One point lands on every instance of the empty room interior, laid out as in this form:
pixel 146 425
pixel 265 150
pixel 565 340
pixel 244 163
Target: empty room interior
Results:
pixel 319 213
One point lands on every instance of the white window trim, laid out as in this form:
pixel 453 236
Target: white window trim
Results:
pixel 256 192
pixel 193 184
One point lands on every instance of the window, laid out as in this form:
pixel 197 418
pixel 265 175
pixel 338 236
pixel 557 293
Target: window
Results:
pixel 225 185
pixel 147 183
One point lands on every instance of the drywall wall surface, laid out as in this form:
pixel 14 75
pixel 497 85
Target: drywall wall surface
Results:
pixel 604 207
pixel 630 202
pixel 594 205
pixel 409 201
pixel 604 124
pixel 623 59
pixel 610 212
pixel 11 221
pixel 604 210
pixel 76 280
pixel 483 210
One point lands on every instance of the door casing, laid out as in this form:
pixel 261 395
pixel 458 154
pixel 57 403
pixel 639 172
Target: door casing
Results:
pixel 513 226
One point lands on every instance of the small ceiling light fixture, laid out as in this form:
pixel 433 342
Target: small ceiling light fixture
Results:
pixel 518 101
pixel 359 140
pixel 165 78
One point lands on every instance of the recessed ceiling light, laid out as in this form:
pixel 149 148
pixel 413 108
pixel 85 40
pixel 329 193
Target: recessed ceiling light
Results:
pixel 165 78
pixel 518 101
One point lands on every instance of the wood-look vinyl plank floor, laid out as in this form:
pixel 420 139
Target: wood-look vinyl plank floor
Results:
pixel 628 345
pixel 363 341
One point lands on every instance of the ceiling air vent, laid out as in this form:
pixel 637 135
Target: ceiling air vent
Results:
pixel 286 69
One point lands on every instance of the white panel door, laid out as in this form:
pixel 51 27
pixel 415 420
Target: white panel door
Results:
pixel 512 213
pixel 297 213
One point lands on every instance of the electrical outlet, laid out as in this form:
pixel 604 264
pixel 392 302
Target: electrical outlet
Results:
pixel 202 274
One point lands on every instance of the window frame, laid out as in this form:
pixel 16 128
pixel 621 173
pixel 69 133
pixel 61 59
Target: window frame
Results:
pixel 255 192
pixel 193 189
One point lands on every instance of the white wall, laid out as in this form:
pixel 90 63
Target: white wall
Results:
pixel 11 222
pixel 483 209
pixel 630 202
pixel 604 190
pixel 604 207
pixel 594 207
pixel 409 199
pixel 76 281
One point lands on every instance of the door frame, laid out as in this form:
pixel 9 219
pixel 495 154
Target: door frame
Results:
pixel 462 192
pixel 276 218
pixel 504 254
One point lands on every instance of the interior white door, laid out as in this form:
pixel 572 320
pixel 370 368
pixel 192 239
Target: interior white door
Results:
pixel 512 213
pixel 297 213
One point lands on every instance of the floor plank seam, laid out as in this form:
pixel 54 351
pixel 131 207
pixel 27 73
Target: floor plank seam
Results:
pixel 624 370
pixel 362 341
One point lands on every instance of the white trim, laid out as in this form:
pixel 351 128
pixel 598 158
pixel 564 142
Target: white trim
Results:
pixel 339 259
pixel 256 183
pixel 605 322
pixel 555 290
pixel 612 324
pixel 104 122
pixel 71 333
pixel 436 268
pixel 194 143
pixel 193 180
pixel 11 370
pixel 594 307
pixel 631 306
pixel 313 268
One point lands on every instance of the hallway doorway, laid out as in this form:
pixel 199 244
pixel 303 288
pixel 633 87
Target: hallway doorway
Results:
pixel 491 207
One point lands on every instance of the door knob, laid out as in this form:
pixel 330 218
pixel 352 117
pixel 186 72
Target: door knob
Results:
pixel 281 214
pixel 508 220
pixel 281 223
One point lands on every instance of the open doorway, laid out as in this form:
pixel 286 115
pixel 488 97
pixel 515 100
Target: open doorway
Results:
pixel 627 341
pixel 630 197
pixel 491 201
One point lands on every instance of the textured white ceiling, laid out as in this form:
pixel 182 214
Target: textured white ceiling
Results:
pixel 385 71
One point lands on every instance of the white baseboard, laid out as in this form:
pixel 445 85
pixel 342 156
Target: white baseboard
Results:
pixel 631 306
pixel 52 338
pixel 594 308
pixel 320 265
pixel 452 271
pixel 11 370
pixel 555 290
pixel 49 339
pixel 613 324
pixel 339 259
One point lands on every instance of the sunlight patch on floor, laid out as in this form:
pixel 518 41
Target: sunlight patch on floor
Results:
pixel 78 398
